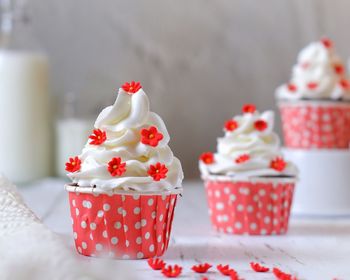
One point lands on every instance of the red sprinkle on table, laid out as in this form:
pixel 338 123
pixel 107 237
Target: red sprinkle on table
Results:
pixel 151 136
pixel 278 164
pixel 131 87
pixel 207 157
pixel 258 267
pixel 156 264
pixel 201 268
pixel 260 125
pixel 231 125
pixel 157 171
pixel 249 108
pixel 172 271
pixel 242 158
pixel 226 270
pixel 280 275
pixel 73 165
pixel 116 167
pixel 98 137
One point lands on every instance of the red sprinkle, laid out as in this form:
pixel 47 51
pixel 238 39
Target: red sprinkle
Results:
pixel 207 158
pixel 292 87
pixel 249 108
pixel 132 87
pixel 278 164
pixel 201 268
pixel 156 264
pixel 312 85
pixel 258 267
pixel 280 275
pixel 98 137
pixel 226 270
pixel 157 171
pixel 327 43
pixel 231 125
pixel 260 125
pixel 242 158
pixel 172 271
pixel 73 165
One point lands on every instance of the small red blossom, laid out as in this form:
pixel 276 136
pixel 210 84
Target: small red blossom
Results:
pixel 156 264
pixel 327 43
pixel 171 271
pixel 339 69
pixel 242 158
pixel 157 171
pixel 258 267
pixel 225 269
pixel 201 268
pixel 260 125
pixel 305 65
pixel 116 167
pixel 151 136
pixel 280 275
pixel 278 164
pixel 231 125
pixel 73 165
pixel 131 87
pixel 207 158
pixel 345 84
pixel 98 137
pixel 292 87
pixel 312 85
pixel 249 108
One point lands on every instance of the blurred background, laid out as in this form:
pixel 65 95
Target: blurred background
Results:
pixel 198 61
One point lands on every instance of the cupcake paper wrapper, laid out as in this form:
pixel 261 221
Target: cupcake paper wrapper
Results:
pixel 316 125
pixel 126 226
pixel 255 208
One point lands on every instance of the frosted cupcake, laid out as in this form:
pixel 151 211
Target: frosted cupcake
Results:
pixel 314 105
pixel 125 182
pixel 249 185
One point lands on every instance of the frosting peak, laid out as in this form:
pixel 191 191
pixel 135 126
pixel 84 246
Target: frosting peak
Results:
pixel 128 148
pixel 318 74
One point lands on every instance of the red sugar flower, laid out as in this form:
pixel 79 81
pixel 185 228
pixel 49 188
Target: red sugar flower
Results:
pixel 73 164
pixel 225 270
pixel 157 171
pixel 242 158
pixel 312 85
pixel 116 167
pixel 172 271
pixel 280 275
pixel 278 164
pixel 292 87
pixel 132 87
pixel 327 43
pixel 201 268
pixel 156 264
pixel 231 125
pixel 98 137
pixel 151 136
pixel 207 158
pixel 345 84
pixel 339 69
pixel 305 65
pixel 258 267
pixel 249 108
pixel 260 125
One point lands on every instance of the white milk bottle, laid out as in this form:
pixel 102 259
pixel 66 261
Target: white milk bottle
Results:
pixel 24 111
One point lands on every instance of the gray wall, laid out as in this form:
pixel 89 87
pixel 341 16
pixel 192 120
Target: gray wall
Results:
pixel 199 60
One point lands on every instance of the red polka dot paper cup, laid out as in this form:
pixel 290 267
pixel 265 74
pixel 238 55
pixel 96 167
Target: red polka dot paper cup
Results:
pixel 121 225
pixel 316 124
pixel 257 207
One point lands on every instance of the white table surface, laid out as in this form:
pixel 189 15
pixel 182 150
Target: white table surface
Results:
pixel 313 249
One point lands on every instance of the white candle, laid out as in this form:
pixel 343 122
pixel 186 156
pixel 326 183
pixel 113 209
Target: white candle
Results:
pixel 24 117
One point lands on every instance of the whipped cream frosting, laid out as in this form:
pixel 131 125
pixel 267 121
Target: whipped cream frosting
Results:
pixel 318 74
pixel 249 149
pixel 125 159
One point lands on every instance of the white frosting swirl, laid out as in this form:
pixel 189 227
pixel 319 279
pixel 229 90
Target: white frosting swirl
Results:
pixel 262 147
pixel 318 74
pixel 123 123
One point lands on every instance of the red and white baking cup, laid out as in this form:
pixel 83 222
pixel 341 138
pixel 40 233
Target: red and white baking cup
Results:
pixel 260 207
pixel 121 225
pixel 312 124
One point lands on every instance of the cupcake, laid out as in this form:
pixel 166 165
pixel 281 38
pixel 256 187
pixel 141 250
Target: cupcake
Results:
pixel 249 185
pixel 125 183
pixel 314 105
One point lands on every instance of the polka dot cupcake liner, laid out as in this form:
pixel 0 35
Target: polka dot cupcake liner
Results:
pixel 259 207
pixel 123 226
pixel 311 124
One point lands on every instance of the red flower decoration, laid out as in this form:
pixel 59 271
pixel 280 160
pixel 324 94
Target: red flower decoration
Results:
pixel 116 167
pixel 73 164
pixel 292 87
pixel 157 171
pixel 339 69
pixel 172 271
pixel 258 268
pixel 345 84
pixel 98 137
pixel 278 164
pixel 312 85
pixel 234 275
pixel 231 125
pixel 131 87
pixel 327 43
pixel 201 268
pixel 280 275
pixel 305 65
pixel 249 108
pixel 225 270
pixel 207 158
pixel 260 125
pixel 151 136
pixel 156 264
pixel 242 158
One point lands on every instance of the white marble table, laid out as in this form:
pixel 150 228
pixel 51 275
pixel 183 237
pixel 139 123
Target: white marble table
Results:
pixel 313 249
